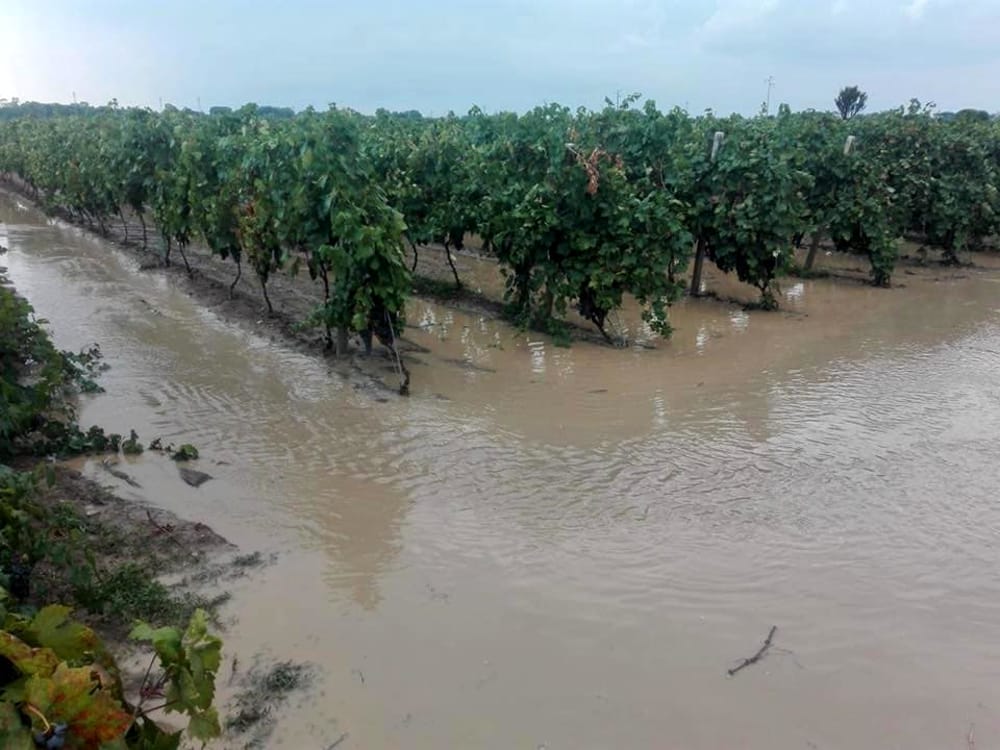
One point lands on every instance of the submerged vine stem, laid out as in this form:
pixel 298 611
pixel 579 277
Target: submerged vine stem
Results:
pixel 404 374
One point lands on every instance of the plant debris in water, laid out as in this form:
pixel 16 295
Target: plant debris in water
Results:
pixel 186 452
pixel 228 571
pixel 265 691
pixel 250 560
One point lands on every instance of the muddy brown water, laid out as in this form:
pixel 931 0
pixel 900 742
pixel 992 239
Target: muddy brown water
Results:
pixel 567 548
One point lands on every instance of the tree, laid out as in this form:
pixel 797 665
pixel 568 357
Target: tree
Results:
pixel 850 101
pixel 972 115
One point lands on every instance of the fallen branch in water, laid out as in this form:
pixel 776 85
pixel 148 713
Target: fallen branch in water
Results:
pixel 756 657
pixel 340 739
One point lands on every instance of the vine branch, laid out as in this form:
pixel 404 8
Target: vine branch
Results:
pixel 756 657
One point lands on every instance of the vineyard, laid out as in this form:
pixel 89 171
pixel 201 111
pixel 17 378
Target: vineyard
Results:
pixel 580 209
pixel 596 505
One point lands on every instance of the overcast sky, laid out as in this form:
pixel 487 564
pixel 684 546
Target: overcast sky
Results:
pixel 440 55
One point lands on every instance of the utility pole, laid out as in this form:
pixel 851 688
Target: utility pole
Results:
pixel 770 85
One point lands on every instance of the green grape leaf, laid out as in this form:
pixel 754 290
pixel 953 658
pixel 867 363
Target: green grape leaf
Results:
pixel 13 734
pixel 204 656
pixel 204 725
pixel 152 737
pixel 166 641
pixel 71 640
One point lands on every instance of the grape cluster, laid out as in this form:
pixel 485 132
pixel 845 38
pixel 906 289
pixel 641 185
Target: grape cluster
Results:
pixel 54 739
pixel 19 577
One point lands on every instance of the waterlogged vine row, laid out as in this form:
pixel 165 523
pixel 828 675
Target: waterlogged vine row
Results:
pixel 581 209
pixel 265 193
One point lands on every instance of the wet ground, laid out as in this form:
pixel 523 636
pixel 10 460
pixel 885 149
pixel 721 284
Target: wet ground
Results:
pixel 568 548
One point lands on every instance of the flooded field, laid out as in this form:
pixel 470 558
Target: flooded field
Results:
pixel 568 548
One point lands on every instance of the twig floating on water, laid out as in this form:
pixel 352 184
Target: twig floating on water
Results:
pixel 756 657
pixel 233 669
pixel 340 739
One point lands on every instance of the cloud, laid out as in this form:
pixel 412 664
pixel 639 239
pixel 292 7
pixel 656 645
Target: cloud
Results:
pixel 438 55
pixel 737 16
pixel 845 34
pixel 915 10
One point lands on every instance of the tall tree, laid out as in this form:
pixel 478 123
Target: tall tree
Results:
pixel 850 101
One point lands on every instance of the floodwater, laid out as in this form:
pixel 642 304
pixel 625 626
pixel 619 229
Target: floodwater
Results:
pixel 568 548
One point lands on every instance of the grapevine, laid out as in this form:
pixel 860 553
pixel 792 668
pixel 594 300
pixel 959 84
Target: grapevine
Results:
pixel 581 209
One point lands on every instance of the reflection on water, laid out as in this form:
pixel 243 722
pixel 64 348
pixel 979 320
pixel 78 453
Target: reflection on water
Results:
pixel 537 349
pixel 364 522
pixel 740 320
pixel 795 292
pixel 568 547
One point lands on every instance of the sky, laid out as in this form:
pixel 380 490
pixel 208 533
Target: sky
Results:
pixel 448 55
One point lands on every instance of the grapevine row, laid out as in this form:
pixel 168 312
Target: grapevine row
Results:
pixel 580 208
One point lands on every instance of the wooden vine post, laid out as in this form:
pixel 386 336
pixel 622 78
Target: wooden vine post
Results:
pixel 699 255
pixel 817 234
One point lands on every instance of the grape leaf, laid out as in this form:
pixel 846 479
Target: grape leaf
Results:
pixel 204 656
pixel 166 641
pixel 71 696
pixel 27 660
pixel 204 725
pixel 71 641
pixel 152 737
pixel 13 734
pixel 53 628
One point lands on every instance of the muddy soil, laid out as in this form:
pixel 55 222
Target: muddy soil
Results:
pixel 173 543
pixel 122 531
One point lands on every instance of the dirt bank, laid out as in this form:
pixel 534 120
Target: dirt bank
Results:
pixel 151 564
pixel 124 533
